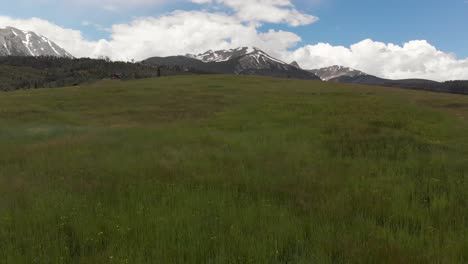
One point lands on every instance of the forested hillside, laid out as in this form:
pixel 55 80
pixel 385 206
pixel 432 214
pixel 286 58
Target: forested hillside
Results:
pixel 39 72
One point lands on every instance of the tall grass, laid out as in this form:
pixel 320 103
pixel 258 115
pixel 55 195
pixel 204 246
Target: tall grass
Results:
pixel 233 170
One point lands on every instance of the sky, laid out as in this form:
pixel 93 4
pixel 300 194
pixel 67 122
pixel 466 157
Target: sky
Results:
pixel 392 39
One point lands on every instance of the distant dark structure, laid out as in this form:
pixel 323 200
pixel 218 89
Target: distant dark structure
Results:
pixel 158 72
pixel 116 77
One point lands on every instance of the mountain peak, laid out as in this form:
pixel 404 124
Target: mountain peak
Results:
pixel 335 71
pixel 295 64
pixel 16 42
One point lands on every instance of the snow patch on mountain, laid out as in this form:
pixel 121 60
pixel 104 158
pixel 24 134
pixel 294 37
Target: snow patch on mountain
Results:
pixel 336 71
pixel 220 55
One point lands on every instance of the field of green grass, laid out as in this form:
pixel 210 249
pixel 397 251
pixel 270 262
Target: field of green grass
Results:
pixel 219 169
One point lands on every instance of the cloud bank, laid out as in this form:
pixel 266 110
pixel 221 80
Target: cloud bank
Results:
pixel 413 59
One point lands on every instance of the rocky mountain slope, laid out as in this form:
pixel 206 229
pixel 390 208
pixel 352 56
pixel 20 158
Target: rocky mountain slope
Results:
pixel 295 64
pixel 15 42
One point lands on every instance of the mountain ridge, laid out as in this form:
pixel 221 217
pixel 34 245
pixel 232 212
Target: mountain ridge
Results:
pixel 341 74
pixel 239 61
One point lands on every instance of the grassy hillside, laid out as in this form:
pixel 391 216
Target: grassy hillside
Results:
pixel 215 169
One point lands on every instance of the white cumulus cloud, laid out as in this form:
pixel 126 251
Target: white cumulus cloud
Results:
pixel 273 11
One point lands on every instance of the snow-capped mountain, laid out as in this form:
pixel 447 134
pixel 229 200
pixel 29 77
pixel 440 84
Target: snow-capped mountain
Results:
pixel 15 42
pixel 336 71
pixel 256 59
pixel 248 57
pixel 226 55
pixel 240 61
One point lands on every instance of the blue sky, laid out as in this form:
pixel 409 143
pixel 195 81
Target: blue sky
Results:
pixel 342 22
pixel 443 23
pixel 429 35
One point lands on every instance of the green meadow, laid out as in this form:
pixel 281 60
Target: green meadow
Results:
pixel 225 169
